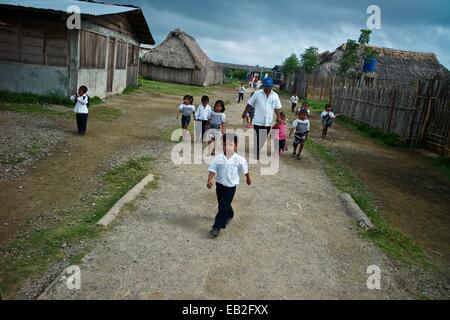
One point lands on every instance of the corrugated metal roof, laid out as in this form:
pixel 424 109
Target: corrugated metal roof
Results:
pixel 89 8
pixel 92 8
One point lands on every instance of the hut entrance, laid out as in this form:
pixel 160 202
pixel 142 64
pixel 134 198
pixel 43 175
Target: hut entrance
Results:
pixel 111 53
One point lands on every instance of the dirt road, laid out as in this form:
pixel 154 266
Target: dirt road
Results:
pixel 290 239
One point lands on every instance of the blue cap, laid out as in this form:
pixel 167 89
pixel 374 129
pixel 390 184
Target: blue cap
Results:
pixel 268 82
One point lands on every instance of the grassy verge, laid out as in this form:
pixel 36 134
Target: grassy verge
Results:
pixel 31 255
pixel 441 165
pixel 389 139
pixel 392 241
pixel 172 88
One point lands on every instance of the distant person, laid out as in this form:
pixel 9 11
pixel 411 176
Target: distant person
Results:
pixel 327 117
pixel 226 168
pixel 81 109
pixel 202 116
pixel 301 126
pixel 216 124
pixel 294 101
pixel 250 115
pixel 282 85
pixel 280 136
pixel 186 109
pixel 304 106
pixel 241 92
pixel 265 102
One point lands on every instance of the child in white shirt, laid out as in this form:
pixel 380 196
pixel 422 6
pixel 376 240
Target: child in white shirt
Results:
pixel 202 116
pixel 327 119
pixel 81 109
pixel 301 127
pixel 216 124
pixel 294 101
pixel 186 109
pixel 241 93
pixel 227 167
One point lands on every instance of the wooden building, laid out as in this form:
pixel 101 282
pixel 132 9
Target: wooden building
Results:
pixel 40 54
pixel 180 59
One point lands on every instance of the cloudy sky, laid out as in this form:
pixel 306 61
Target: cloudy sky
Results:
pixel 265 32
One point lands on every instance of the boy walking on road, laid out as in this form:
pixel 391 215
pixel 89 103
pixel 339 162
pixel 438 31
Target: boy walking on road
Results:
pixel 226 167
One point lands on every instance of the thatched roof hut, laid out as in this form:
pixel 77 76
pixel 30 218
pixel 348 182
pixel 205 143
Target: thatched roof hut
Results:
pixel 180 59
pixel 392 64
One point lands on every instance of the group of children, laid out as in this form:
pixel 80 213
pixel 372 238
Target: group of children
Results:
pixel 228 166
pixel 211 120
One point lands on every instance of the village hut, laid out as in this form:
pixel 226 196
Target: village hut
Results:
pixel 392 64
pixel 180 59
pixel 39 54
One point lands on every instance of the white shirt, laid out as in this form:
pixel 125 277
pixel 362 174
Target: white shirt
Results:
pixel 186 110
pixel 325 113
pixel 203 113
pixel 294 99
pixel 81 105
pixel 264 107
pixel 242 90
pixel 301 126
pixel 216 119
pixel 228 170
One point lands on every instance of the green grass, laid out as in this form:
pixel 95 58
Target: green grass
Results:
pixel 25 98
pixel 30 256
pixel 441 165
pixel 392 241
pixel 130 90
pixel 20 107
pixel 172 88
pixel 389 139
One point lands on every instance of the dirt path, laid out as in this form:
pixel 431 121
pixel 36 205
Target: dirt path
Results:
pixel 412 197
pixel 59 182
pixel 290 240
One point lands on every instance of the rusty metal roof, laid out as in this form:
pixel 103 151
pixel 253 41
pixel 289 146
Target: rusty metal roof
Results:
pixel 92 8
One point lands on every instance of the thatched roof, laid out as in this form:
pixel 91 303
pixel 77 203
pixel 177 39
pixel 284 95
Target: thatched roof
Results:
pixel 179 51
pixel 391 64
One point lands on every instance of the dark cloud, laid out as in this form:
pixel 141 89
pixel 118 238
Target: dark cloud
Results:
pixel 265 32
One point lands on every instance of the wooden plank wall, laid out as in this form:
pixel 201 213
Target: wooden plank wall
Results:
pixel 34 43
pixel 418 113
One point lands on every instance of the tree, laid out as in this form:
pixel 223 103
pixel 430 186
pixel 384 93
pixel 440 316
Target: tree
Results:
pixel 356 52
pixel 291 65
pixel 350 57
pixel 310 59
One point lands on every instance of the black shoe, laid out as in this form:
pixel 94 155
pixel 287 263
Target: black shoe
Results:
pixel 215 232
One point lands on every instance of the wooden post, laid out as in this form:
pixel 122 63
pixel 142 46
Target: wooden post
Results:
pixel 394 97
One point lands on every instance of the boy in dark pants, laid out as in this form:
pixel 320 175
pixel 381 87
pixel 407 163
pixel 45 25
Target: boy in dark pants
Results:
pixel 227 166
pixel 81 108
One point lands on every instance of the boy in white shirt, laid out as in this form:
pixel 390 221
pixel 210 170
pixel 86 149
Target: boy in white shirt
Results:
pixel 186 109
pixel 294 101
pixel 241 92
pixel 327 119
pixel 202 116
pixel 226 167
pixel 81 108
pixel 301 127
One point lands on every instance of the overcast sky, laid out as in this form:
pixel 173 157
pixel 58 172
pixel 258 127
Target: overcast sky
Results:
pixel 265 32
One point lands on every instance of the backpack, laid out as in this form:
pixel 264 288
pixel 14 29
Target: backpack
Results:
pixel 89 99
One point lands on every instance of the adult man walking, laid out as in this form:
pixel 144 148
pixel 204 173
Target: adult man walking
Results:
pixel 265 102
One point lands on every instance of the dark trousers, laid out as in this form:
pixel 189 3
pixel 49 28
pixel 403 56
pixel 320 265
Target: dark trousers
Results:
pixel 294 105
pixel 241 97
pixel 82 119
pixel 225 196
pixel 261 134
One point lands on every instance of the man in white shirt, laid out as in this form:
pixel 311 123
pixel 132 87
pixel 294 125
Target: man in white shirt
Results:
pixel 226 167
pixel 265 103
